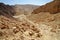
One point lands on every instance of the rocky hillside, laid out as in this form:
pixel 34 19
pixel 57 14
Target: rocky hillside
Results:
pixel 25 29
pixel 52 7
pixel 6 9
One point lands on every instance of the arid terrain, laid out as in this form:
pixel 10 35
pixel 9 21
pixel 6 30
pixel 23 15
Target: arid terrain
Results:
pixel 30 22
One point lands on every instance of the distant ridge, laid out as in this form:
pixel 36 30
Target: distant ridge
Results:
pixel 24 9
